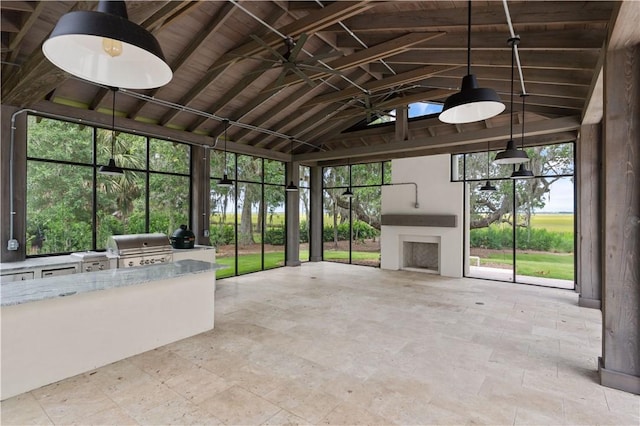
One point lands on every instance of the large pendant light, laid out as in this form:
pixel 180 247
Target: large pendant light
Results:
pixel 471 103
pixel 487 186
pixel 291 187
pixel 104 47
pixel 225 182
pixel 111 169
pixel 522 172
pixel 511 155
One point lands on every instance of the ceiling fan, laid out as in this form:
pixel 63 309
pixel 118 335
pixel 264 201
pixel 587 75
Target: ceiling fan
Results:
pixel 289 62
pixel 371 110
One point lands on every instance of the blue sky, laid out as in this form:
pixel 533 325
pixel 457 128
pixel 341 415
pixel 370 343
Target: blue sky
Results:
pixel 560 198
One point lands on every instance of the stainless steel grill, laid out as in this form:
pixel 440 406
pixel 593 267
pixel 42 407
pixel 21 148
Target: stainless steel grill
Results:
pixel 140 249
pixel 92 261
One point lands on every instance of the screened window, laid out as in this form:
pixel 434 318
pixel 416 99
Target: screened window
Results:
pixel 71 207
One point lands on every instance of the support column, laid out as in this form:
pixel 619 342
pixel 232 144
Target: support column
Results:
pixel 402 123
pixel 315 215
pixel 293 217
pixel 200 200
pixel 588 219
pixel 620 363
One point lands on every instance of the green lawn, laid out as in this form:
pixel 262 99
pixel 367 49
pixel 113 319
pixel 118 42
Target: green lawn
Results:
pixel 543 265
pixel 356 255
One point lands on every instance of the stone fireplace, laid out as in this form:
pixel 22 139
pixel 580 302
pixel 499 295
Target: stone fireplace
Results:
pixel 421 256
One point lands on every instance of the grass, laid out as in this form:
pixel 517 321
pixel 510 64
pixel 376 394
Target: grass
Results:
pixel 253 262
pixel 543 265
pixel 355 255
pixel 556 222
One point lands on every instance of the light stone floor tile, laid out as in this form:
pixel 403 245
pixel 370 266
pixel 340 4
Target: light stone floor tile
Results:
pixel 326 343
pixel 285 418
pixel 237 406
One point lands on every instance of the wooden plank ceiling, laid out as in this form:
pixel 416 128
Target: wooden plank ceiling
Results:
pixel 381 55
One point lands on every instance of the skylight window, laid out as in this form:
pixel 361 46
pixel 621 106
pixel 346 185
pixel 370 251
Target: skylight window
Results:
pixel 416 109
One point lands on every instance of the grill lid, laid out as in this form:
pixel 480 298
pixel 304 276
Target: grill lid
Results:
pixel 90 256
pixel 136 244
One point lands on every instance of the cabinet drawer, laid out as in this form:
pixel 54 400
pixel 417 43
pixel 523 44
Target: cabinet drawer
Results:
pixel 54 272
pixel 18 276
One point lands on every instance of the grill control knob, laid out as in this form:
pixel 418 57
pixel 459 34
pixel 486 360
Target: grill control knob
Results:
pixel 153 261
pixel 141 262
pixel 130 263
pixel 87 268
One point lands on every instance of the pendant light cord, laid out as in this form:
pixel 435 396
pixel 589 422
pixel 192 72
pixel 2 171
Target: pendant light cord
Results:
pixel 523 96
pixel 488 148
pixel 512 41
pixel 226 123
pixel 469 39
pixel 113 121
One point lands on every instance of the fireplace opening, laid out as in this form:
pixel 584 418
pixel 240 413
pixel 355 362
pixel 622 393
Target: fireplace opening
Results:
pixel 423 257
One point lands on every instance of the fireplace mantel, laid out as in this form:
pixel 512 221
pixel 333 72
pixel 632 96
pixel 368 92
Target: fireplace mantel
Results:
pixel 439 220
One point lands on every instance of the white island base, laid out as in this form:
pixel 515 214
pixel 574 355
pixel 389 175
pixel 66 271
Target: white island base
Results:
pixel 48 340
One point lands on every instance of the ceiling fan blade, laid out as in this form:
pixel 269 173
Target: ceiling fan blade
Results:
pixel 255 58
pixel 298 46
pixel 280 80
pixel 319 69
pixel 321 56
pixel 269 48
pixel 303 76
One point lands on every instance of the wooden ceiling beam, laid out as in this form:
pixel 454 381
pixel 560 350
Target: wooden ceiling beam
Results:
pixel 566 60
pixel 558 125
pixel 522 14
pixel 168 13
pixel 390 104
pixel 537 140
pixel 372 54
pixel 571 39
pixel 214 23
pixel 309 24
pixel 378 85
pixel 21 6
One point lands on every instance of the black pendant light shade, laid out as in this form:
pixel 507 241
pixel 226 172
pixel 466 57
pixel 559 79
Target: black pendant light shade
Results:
pixel 522 173
pixel 104 47
pixel 225 182
pixel 511 155
pixel 348 193
pixel 487 186
pixel 291 187
pixel 111 169
pixel 471 103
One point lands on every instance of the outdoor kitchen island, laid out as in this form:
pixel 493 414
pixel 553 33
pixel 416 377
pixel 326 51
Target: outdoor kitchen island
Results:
pixel 57 327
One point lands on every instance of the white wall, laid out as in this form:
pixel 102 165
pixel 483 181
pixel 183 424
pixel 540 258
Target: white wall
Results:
pixel 436 195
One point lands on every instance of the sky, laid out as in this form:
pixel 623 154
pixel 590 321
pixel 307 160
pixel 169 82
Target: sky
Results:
pixel 560 198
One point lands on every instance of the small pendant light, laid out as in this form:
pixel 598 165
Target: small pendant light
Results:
pixel 487 186
pixel 225 182
pixel 348 192
pixel 522 172
pixel 511 155
pixel 104 47
pixel 291 187
pixel 111 169
pixel 471 103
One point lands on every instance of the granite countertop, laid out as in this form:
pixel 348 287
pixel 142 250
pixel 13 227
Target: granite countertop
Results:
pixel 38 262
pixel 14 293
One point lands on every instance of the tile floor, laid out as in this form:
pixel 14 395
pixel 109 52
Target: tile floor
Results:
pixel 327 343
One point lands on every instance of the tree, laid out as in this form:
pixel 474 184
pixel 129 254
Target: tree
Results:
pixel 550 161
